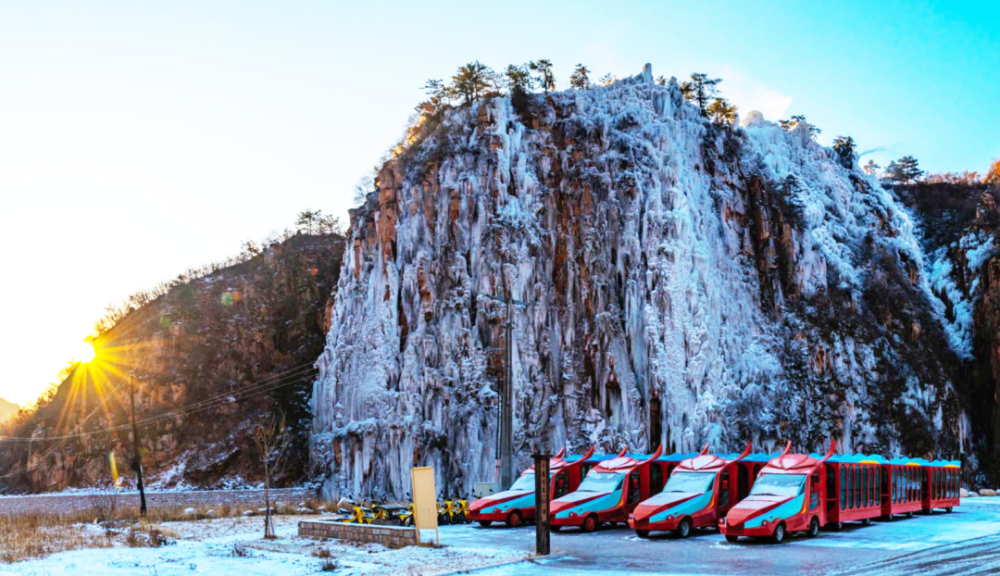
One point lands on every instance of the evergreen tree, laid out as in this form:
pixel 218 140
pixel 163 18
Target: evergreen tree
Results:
pixel 438 95
pixel 471 81
pixel 700 90
pixel 721 111
pixel 546 79
pixel 607 80
pixel 579 78
pixel 871 168
pixel 909 169
pixel 519 83
pixel 892 173
pixel 789 125
pixel 661 80
pixel 844 147
pixel 307 220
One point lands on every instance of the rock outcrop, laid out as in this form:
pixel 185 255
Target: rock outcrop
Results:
pixel 675 281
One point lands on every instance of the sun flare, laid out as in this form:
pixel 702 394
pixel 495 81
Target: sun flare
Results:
pixel 84 352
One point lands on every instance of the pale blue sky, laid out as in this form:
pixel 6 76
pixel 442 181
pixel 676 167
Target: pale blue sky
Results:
pixel 138 139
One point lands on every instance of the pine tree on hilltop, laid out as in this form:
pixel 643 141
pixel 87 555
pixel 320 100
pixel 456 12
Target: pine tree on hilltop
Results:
pixel 579 78
pixel 519 83
pixel 438 93
pixel 871 168
pixel 472 80
pixel 909 169
pixel 799 119
pixel 844 147
pixel 903 171
pixel 546 79
pixel 721 111
pixel 700 89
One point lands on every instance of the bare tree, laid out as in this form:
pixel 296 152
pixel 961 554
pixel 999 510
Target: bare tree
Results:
pixel 272 438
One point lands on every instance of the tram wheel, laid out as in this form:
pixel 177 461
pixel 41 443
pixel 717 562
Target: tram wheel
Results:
pixel 779 534
pixel 813 528
pixel 683 529
pixel 514 519
pixel 589 523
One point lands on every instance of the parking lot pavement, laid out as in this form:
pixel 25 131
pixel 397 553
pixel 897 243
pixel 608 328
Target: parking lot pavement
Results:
pixel 967 541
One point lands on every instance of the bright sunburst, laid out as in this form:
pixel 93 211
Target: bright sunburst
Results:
pixel 85 352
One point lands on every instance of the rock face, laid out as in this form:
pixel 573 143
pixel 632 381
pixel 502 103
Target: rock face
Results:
pixel 210 358
pixel 961 223
pixel 676 282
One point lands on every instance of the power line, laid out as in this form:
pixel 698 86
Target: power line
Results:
pixel 273 382
pixel 291 376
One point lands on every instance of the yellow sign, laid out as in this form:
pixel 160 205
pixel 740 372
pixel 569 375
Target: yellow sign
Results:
pixel 424 499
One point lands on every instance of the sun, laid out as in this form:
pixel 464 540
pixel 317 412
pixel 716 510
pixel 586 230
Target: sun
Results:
pixel 84 352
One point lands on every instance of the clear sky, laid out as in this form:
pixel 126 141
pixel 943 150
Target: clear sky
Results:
pixel 138 139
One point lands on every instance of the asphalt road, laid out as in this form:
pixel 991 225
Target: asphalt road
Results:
pixel 967 541
pixel 74 502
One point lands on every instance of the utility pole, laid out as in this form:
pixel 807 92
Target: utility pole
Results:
pixel 507 404
pixel 542 547
pixel 136 460
pixel 505 429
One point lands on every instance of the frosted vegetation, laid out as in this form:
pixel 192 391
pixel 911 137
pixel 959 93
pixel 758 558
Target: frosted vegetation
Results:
pixel 682 280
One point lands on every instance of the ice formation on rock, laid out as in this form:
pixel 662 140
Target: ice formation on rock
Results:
pixel 681 282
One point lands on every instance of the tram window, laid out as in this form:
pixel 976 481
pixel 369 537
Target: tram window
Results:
pixel 872 486
pixel 742 482
pixel 724 488
pixel 655 479
pixel 814 495
pixel 562 483
pixel 633 488
pixel 843 487
pixel 866 487
pixel 895 483
pixel 909 483
pixel 857 487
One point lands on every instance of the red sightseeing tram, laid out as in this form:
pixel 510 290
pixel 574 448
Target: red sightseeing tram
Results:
pixel 517 504
pixel 942 479
pixel 609 492
pixel 700 490
pixel 902 487
pixel 854 488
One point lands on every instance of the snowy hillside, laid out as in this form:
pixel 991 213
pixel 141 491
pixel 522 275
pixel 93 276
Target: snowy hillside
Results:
pixel 681 282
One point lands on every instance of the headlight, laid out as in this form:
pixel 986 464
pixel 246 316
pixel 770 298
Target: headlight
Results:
pixel 670 516
pixel 765 522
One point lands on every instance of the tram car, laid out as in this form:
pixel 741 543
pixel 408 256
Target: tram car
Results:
pixel 610 492
pixel 517 504
pixel 699 491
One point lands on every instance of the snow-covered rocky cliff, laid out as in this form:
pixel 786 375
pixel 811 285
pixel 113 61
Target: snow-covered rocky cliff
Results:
pixel 681 282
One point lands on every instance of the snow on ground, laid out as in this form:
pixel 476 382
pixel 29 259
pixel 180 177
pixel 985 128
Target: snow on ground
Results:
pixel 207 547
